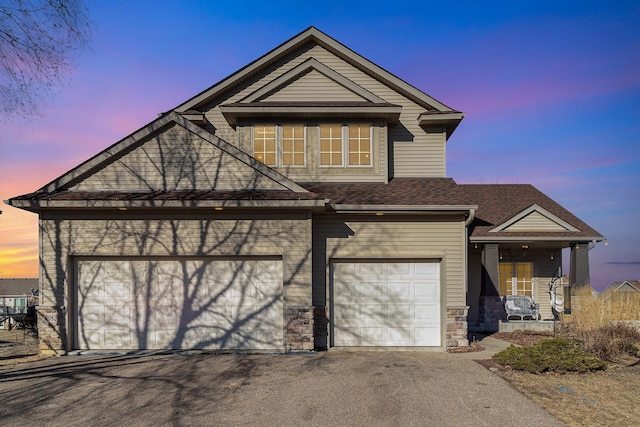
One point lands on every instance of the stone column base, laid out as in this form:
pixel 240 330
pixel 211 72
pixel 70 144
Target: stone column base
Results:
pixel 51 332
pixel 299 332
pixel 457 326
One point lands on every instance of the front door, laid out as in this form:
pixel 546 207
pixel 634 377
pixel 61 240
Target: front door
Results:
pixel 516 278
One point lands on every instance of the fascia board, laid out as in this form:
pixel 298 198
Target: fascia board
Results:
pixel 138 204
pixel 231 113
pixel 402 208
pixel 583 239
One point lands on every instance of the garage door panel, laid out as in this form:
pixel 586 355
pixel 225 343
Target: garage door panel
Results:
pixel 159 304
pixel 427 336
pixel 400 289
pixel 386 304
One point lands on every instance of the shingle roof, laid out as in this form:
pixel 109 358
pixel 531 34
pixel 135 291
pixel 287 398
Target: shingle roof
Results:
pixel 17 286
pixel 498 203
pixel 399 191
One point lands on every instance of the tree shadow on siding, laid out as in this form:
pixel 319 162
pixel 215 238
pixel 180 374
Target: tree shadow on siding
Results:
pixel 187 278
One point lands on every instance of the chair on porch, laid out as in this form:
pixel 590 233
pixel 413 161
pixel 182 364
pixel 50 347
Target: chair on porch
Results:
pixel 521 306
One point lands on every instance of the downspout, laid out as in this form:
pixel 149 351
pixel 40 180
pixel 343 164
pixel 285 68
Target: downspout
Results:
pixel 470 218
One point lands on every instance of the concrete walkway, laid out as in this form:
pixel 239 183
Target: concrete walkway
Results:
pixel 491 346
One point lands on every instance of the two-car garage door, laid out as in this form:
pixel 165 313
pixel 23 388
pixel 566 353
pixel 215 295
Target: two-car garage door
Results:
pixel 179 304
pixel 386 304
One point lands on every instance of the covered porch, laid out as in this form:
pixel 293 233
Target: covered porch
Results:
pixel 531 268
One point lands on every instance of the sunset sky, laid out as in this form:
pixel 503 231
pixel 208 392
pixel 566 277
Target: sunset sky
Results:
pixel 550 89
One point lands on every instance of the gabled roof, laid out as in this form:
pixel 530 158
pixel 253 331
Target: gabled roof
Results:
pixel 534 218
pixel 55 193
pixel 313 35
pixel 502 205
pixel 625 286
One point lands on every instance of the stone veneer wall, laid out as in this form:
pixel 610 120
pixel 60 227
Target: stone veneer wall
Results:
pixel 491 313
pixel 299 332
pixel 51 329
pixel 457 326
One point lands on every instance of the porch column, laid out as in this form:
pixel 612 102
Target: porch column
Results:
pixel 490 272
pixel 579 265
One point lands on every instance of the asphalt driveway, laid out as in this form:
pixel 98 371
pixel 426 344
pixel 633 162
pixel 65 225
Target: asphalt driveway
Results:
pixel 326 389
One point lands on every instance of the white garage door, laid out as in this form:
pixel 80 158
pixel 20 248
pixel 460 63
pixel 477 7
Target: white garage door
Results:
pixel 386 304
pixel 179 304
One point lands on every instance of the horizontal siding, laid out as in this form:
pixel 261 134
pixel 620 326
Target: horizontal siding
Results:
pixel 535 221
pixel 406 138
pixel 313 87
pixel 423 157
pixel 62 239
pixel 176 160
pixel 391 238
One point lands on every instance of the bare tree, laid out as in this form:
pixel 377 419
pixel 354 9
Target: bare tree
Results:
pixel 37 41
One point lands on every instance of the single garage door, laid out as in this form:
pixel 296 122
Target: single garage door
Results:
pixel 386 304
pixel 179 304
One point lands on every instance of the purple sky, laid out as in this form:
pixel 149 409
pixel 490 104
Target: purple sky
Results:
pixel 551 92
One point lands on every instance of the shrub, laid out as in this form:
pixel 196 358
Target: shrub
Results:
pixel 556 354
pixel 611 342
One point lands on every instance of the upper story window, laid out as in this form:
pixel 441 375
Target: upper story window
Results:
pixel 345 145
pixel 264 144
pixel 279 145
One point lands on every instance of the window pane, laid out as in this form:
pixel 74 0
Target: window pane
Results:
pixel 270 159
pixel 359 145
pixel 331 145
pixel 287 158
pixel 524 273
pixel 264 144
pixel 293 145
pixel 506 278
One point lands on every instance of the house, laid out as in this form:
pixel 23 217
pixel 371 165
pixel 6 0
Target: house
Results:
pixel 620 289
pixel 300 203
pixel 17 296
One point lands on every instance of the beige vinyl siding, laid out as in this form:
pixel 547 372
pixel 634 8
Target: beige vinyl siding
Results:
pixel 535 221
pixel 177 160
pixel 425 156
pixel 362 238
pixel 430 148
pixel 313 86
pixel 125 234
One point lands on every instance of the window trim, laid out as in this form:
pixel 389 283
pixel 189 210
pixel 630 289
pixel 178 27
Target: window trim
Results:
pixel 279 134
pixel 345 146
